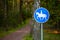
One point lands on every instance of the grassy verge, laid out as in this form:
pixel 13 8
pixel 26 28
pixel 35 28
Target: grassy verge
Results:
pixel 28 37
pixel 4 33
pixel 51 36
pixel 47 36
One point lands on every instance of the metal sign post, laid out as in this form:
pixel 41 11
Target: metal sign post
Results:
pixel 41 31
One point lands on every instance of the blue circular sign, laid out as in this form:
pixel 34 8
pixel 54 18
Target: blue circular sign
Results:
pixel 41 15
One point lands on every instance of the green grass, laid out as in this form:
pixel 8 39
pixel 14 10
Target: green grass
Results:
pixel 28 37
pixel 4 33
pixel 51 36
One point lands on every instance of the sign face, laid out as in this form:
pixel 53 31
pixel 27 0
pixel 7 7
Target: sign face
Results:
pixel 41 15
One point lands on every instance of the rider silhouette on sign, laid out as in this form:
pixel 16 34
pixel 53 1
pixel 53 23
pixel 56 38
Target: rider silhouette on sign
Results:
pixel 41 15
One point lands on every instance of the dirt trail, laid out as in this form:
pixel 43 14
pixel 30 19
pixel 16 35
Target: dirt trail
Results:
pixel 18 35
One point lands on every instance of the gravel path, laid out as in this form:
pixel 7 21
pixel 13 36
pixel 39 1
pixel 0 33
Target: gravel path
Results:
pixel 18 35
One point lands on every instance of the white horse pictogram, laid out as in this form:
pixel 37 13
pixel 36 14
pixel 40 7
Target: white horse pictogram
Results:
pixel 41 15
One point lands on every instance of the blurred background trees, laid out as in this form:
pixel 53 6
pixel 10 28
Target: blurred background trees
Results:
pixel 14 12
pixel 54 7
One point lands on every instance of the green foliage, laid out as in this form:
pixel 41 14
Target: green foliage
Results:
pixel 28 37
pixel 53 7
